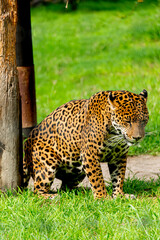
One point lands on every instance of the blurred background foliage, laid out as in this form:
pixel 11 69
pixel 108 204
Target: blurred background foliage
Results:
pixel 103 45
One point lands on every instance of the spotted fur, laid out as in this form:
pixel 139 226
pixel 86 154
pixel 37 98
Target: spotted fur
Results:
pixel 71 142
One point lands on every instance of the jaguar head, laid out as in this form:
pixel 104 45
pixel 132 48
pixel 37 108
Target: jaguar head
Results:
pixel 129 114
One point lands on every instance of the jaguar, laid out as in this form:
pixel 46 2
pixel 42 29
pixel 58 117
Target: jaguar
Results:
pixel 70 143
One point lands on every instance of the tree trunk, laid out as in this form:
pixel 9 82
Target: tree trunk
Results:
pixel 10 120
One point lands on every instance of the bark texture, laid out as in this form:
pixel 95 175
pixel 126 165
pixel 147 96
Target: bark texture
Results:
pixel 10 120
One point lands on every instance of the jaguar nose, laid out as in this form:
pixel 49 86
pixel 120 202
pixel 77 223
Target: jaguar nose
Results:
pixel 137 138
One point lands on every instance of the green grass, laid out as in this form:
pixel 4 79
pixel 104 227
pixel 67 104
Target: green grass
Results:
pixel 105 45
pixel 76 216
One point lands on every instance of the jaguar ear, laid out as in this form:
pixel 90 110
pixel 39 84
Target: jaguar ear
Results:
pixel 144 94
pixel 111 99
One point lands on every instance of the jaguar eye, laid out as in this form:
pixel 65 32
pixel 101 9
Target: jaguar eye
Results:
pixel 128 122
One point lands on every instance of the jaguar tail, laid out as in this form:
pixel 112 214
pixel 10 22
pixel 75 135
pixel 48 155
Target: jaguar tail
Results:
pixel 27 163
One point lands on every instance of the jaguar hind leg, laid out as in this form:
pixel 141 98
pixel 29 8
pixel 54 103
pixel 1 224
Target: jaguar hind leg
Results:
pixel 43 180
pixel 45 166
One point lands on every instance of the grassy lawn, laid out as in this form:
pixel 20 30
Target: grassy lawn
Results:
pixel 102 46
pixel 76 216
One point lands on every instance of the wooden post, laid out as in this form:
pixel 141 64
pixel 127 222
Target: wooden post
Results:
pixel 10 120
pixel 25 67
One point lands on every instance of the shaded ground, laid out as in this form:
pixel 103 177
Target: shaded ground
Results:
pixel 142 166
